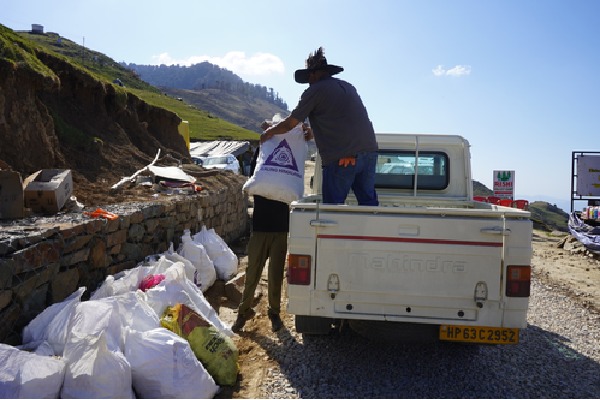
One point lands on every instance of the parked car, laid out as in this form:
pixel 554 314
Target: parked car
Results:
pixel 227 162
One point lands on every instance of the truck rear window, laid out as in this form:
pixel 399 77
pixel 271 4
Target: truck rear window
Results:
pixel 400 170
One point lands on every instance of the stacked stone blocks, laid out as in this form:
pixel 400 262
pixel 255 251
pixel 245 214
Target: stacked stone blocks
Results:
pixel 40 269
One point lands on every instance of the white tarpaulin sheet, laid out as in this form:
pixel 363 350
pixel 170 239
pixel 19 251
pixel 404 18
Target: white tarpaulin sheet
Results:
pixel 588 235
pixel 217 148
pixel 174 173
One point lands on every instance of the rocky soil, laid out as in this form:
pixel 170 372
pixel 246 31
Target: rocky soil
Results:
pixel 561 261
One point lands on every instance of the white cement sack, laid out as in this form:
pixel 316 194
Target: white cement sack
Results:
pixel 133 312
pixel 223 258
pixel 24 375
pixel 279 171
pixel 96 366
pixel 123 282
pixel 52 324
pixel 94 318
pixel 195 252
pixel 176 288
pixel 164 366
pixel 129 280
pixel 95 372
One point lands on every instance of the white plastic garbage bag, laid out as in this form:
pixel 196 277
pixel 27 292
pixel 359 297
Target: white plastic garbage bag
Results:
pixel 93 318
pixel 164 366
pixel 129 280
pixel 24 375
pixel 223 258
pixel 133 312
pixel 52 324
pixel 197 255
pixel 279 171
pixel 96 365
pixel 123 282
pixel 94 371
pixel 176 288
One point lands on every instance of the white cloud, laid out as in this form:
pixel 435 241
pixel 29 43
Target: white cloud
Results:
pixel 259 64
pixel 458 70
pixel 438 71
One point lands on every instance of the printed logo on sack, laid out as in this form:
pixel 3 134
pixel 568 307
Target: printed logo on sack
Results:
pixel 283 157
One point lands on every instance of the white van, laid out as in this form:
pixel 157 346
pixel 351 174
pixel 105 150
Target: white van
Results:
pixel 227 162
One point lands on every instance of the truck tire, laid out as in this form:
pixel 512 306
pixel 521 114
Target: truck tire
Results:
pixel 387 331
pixel 313 325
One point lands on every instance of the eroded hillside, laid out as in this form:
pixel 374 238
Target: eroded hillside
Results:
pixel 56 115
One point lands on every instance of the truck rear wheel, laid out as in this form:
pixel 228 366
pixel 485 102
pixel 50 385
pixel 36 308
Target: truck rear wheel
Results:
pixel 313 325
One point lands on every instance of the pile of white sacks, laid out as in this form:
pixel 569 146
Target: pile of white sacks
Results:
pixel 113 345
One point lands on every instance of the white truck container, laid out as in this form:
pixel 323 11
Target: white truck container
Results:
pixel 427 257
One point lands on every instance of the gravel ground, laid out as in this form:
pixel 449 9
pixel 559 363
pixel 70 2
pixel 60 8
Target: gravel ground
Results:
pixel 558 357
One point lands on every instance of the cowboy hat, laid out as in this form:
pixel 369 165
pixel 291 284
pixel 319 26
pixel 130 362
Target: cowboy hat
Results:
pixel 316 61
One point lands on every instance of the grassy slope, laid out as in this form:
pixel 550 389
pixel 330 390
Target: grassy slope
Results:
pixel 548 215
pixel 20 51
pixel 202 125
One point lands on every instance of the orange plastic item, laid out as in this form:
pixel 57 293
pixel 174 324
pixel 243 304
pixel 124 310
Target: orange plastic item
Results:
pixel 505 202
pixel 522 204
pixel 493 199
pixel 347 160
pixel 100 213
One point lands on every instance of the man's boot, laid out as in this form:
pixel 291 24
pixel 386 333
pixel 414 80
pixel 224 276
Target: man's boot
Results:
pixel 241 319
pixel 276 322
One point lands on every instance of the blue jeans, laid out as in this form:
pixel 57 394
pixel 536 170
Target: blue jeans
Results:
pixel 338 180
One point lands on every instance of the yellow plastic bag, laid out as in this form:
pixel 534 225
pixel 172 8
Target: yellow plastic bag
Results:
pixel 216 351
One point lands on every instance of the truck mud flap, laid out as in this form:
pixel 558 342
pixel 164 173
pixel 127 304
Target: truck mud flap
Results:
pixel 314 325
pixel 398 332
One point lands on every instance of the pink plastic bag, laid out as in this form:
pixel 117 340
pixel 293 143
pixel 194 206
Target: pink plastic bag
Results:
pixel 150 281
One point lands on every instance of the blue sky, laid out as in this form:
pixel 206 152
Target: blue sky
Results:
pixel 519 79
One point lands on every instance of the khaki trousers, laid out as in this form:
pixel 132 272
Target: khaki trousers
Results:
pixel 263 246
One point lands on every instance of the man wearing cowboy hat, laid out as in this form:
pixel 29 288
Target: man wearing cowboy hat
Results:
pixel 342 130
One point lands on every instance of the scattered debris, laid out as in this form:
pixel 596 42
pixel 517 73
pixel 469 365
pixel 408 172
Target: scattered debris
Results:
pixel 133 177
pixel 100 213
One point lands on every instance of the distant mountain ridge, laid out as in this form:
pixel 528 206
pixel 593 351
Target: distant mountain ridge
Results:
pixel 203 76
pixel 216 90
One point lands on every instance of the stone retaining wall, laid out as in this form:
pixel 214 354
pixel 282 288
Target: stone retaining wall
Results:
pixel 44 267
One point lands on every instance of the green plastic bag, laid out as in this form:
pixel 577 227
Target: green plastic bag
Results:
pixel 214 350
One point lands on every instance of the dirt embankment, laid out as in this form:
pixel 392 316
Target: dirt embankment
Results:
pixel 562 262
pixel 70 120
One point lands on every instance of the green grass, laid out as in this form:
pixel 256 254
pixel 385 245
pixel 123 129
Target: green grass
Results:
pixel 69 135
pixel 552 217
pixel 94 63
pixel 202 125
pixel 21 53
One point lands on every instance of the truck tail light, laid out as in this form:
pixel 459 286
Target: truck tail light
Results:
pixel 298 269
pixel 518 280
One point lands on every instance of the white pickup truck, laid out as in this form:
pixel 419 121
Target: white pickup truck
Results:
pixel 427 259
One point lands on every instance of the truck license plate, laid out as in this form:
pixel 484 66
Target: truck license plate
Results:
pixel 479 334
